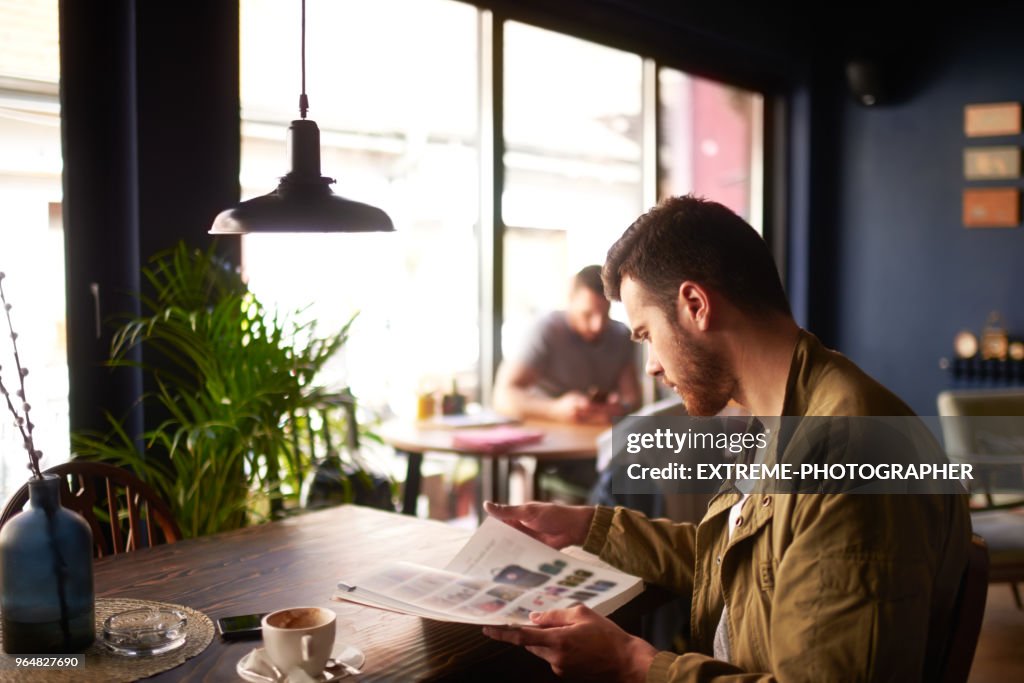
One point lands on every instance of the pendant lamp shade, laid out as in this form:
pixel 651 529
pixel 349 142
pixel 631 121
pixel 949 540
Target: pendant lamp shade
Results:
pixel 303 201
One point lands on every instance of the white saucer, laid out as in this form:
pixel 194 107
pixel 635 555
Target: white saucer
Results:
pixel 250 667
pixel 352 656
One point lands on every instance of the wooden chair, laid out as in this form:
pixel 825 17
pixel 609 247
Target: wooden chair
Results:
pixel 123 511
pixel 985 428
pixel 969 610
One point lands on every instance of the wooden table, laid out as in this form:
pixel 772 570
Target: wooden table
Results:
pixel 298 562
pixel 562 441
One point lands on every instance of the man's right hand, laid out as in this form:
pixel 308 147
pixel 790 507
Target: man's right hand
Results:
pixel 572 406
pixel 553 524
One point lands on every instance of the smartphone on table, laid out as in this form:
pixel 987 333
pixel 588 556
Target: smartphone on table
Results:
pixel 241 626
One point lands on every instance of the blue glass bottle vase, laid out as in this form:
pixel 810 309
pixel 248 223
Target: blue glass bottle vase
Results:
pixel 47 599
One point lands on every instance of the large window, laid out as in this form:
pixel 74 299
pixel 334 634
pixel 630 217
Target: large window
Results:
pixel 31 231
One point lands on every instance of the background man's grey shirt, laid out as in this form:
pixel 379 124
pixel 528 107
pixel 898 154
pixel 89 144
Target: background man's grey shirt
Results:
pixel 564 361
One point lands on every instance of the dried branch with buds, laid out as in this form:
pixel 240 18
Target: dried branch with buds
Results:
pixel 22 420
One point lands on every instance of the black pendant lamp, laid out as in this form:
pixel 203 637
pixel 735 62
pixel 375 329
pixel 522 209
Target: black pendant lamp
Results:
pixel 303 201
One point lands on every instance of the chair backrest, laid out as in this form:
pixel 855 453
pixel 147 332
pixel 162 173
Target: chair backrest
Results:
pixel 968 613
pixel 996 407
pixel 315 430
pixel 984 427
pixel 123 511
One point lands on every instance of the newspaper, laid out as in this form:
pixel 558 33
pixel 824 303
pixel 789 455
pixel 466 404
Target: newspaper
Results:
pixel 498 578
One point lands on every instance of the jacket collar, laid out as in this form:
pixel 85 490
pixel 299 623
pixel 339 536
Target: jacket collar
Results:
pixel 804 371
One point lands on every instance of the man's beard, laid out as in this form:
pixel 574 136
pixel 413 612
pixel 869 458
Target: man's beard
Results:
pixel 704 381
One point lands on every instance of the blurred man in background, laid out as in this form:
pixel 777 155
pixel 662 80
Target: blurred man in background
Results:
pixel 578 365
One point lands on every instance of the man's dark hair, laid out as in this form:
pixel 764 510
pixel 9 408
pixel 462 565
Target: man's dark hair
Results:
pixel 589 277
pixel 691 238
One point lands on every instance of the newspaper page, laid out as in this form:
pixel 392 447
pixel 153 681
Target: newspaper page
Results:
pixel 498 578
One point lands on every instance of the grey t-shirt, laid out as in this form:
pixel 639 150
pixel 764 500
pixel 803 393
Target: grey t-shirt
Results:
pixel 564 361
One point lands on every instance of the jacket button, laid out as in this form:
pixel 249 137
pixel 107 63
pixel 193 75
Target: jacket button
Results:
pixel 718 560
pixel 739 520
pixel 766 502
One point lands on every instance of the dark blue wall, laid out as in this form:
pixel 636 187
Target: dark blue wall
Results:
pixel 907 274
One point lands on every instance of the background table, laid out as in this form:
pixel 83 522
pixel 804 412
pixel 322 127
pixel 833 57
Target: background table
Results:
pixel 561 441
pixel 298 562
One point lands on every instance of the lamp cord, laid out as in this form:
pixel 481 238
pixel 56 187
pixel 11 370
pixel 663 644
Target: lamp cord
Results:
pixel 303 100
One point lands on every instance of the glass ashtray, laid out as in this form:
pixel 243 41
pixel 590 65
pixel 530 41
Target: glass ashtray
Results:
pixel 145 631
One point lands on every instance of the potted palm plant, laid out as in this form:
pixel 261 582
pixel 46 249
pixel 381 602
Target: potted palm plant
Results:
pixel 233 382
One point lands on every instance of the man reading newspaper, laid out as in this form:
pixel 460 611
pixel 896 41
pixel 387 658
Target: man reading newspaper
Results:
pixel 787 587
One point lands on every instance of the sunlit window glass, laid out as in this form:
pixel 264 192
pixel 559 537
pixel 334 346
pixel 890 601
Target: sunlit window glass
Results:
pixel 572 164
pixel 32 232
pixel 711 142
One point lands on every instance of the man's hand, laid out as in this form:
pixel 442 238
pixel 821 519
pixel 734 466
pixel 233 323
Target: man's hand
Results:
pixel 604 412
pixel 580 643
pixel 550 523
pixel 572 406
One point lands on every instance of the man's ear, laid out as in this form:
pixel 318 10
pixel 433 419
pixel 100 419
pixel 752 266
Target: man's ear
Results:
pixel 693 305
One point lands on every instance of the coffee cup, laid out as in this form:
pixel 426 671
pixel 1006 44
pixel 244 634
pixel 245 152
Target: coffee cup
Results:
pixel 299 638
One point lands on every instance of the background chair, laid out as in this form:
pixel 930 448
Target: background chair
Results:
pixel 123 511
pixel 328 435
pixel 986 429
pixel 969 611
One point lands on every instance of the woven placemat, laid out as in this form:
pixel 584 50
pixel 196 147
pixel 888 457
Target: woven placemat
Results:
pixel 103 665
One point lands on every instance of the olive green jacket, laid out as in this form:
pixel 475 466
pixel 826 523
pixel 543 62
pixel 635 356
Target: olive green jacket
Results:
pixel 819 587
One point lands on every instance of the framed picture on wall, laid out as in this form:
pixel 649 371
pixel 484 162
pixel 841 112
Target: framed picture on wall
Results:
pixel 997 118
pixel 992 208
pixel 992 163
